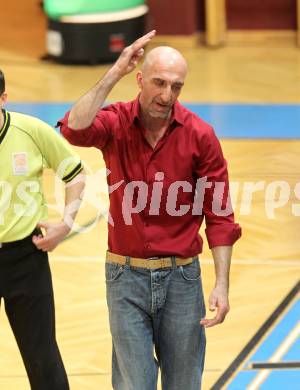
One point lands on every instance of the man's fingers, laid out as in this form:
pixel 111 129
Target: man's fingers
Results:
pixel 42 243
pixel 139 53
pixel 133 53
pixel 218 319
pixel 207 323
pixel 36 239
pixel 213 303
pixel 39 241
pixel 145 38
pixel 43 224
pixel 149 34
pixel 136 57
pixel 143 41
pixel 221 314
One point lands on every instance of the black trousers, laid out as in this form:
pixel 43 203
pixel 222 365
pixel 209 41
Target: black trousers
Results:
pixel 26 288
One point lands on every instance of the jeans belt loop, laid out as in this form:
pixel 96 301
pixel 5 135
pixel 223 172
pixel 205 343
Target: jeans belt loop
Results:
pixel 173 259
pixel 127 264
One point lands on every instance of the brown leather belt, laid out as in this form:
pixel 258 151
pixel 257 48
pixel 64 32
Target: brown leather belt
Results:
pixel 152 263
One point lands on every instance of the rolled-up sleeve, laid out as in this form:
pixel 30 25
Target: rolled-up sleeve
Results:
pixel 219 218
pixel 97 134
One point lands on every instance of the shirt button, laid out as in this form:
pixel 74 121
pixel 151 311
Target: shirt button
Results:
pixel 148 246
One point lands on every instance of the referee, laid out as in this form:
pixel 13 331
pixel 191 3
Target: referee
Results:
pixel 27 145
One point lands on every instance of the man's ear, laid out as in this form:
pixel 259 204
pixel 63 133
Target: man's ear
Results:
pixel 139 78
pixel 3 98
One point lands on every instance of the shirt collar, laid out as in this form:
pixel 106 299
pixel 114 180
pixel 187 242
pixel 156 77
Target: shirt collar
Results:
pixel 136 109
pixel 5 126
pixel 177 111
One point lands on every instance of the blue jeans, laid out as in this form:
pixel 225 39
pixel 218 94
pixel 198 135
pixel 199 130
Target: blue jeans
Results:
pixel 156 310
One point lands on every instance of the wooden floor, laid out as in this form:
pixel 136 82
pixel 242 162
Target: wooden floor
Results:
pixel 266 261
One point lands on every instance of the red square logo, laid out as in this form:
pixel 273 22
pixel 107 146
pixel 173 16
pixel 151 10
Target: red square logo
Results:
pixel 116 43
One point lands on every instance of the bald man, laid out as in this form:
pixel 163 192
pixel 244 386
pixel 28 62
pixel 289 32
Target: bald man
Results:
pixel 164 165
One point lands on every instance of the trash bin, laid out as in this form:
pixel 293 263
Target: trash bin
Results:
pixel 92 31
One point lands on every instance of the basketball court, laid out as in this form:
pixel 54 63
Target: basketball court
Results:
pixel 250 94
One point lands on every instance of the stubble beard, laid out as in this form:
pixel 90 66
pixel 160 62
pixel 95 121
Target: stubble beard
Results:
pixel 158 114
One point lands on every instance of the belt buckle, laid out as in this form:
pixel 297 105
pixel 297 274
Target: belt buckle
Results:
pixel 0 245
pixel 162 260
pixel 166 262
pixel 155 258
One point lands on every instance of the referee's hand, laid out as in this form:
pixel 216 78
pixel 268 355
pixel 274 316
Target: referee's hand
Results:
pixel 54 232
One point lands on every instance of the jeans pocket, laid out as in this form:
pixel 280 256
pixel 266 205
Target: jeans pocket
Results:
pixel 113 271
pixel 191 272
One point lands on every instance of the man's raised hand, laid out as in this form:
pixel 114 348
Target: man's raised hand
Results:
pixel 131 55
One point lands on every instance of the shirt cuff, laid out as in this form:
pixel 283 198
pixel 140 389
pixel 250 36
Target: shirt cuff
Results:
pixel 70 176
pixel 224 234
pixel 75 137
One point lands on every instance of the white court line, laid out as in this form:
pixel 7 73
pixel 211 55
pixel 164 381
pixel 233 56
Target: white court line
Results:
pixel 96 259
pixel 283 348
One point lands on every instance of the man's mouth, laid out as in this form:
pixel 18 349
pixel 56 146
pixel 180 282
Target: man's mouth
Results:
pixel 164 106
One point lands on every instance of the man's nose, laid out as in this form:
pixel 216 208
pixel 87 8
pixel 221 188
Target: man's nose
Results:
pixel 166 95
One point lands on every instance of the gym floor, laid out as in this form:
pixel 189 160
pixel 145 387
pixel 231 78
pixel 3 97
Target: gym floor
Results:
pixel 250 94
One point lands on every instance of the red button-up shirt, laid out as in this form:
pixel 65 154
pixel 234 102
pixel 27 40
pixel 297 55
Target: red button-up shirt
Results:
pixel 166 224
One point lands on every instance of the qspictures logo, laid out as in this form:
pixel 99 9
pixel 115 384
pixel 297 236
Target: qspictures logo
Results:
pixel 137 196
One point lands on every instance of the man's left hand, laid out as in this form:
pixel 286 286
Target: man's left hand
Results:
pixel 218 299
pixel 54 233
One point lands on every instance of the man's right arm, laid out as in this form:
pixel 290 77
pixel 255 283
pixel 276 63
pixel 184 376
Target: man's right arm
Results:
pixel 85 109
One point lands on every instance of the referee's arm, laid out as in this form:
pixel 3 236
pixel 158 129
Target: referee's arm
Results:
pixel 59 156
pixel 56 231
